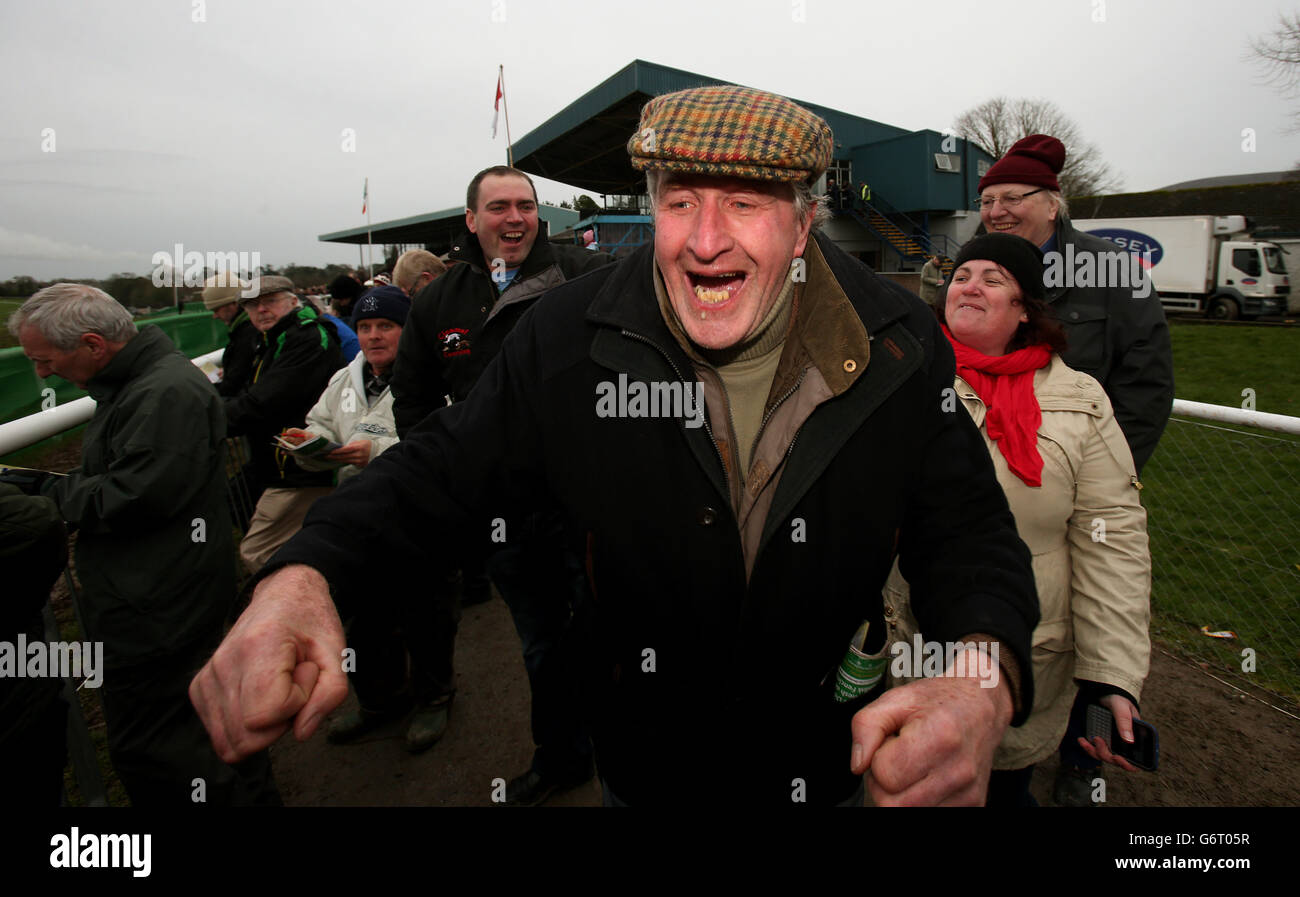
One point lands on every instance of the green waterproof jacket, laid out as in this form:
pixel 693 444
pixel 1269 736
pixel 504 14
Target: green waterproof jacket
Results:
pixel 154 548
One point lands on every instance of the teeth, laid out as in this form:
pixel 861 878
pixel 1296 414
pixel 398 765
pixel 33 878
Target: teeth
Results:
pixel 711 297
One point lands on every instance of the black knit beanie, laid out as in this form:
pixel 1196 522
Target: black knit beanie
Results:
pixel 1022 259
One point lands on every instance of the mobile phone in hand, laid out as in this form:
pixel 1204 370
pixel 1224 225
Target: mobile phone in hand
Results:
pixel 1144 752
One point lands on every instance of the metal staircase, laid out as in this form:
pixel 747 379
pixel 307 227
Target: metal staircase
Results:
pixel 899 232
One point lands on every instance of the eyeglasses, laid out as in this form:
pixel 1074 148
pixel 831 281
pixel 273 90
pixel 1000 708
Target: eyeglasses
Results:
pixel 1008 200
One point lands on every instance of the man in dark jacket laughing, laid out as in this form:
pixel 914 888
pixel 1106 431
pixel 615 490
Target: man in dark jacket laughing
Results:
pixel 457 326
pixel 732 563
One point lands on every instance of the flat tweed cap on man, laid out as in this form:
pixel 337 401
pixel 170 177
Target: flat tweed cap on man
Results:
pixel 731 132
pixel 270 284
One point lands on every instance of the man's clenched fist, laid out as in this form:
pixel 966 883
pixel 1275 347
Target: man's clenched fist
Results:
pixel 282 660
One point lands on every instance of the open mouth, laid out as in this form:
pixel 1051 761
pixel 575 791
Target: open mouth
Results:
pixel 512 238
pixel 715 289
pixel 968 305
pixel 1010 225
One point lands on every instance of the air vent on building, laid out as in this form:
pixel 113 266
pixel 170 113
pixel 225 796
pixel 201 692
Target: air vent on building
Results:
pixel 947 162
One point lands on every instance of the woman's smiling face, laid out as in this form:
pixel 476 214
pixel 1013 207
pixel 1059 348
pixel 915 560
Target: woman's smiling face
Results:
pixel 983 307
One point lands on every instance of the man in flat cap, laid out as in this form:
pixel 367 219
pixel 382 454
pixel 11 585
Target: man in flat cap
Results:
pixel 298 353
pixel 746 425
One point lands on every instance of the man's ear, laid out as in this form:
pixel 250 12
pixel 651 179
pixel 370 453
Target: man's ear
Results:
pixel 805 230
pixel 95 343
pixel 469 221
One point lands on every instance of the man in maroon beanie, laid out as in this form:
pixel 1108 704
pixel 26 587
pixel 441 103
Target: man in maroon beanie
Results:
pixel 1116 331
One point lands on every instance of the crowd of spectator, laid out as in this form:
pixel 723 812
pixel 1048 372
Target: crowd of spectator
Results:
pixel 435 420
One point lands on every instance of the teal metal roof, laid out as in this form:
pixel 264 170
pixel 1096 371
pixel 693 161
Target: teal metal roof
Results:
pixel 585 143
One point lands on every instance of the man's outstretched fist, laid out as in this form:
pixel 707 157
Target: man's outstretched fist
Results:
pixel 281 663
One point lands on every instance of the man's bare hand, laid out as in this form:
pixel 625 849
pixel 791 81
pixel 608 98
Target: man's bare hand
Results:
pixel 931 743
pixel 282 659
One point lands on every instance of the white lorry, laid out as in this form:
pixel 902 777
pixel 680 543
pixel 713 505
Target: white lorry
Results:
pixel 1203 263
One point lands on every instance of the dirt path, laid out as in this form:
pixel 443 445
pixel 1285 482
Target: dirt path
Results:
pixel 1216 748
pixel 488 738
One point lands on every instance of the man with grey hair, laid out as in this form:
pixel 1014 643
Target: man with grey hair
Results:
pixel 154 550
pixel 416 269
pixel 736 541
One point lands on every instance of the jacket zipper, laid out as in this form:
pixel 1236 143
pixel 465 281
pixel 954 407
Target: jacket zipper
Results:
pixel 678 371
pixel 771 411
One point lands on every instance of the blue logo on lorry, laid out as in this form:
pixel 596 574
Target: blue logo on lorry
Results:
pixel 1133 241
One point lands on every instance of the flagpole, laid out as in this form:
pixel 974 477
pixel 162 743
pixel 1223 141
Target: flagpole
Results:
pixel 370 246
pixel 505 103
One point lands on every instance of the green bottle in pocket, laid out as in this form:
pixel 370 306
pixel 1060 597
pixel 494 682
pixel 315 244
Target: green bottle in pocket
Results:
pixel 859 672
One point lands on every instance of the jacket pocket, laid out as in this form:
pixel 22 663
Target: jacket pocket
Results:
pixel 1085 333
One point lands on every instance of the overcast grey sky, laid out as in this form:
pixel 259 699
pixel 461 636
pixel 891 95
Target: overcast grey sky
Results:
pixel 225 134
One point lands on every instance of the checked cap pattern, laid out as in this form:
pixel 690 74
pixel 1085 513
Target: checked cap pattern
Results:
pixel 731 132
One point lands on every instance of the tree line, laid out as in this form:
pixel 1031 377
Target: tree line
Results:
pixel 138 291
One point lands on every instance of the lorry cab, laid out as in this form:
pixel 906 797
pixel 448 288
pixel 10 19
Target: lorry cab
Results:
pixel 1252 281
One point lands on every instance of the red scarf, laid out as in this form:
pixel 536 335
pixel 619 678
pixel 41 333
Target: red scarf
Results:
pixel 1005 384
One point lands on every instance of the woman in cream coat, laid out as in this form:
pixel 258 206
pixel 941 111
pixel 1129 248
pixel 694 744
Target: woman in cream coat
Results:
pixel 1071 483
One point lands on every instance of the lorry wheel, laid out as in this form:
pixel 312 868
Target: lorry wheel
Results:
pixel 1223 309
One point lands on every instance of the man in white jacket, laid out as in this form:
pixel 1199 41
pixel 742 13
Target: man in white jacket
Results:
pixel 356 410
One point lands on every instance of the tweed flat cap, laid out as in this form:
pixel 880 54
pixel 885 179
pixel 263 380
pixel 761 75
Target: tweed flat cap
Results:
pixel 731 132
pixel 268 285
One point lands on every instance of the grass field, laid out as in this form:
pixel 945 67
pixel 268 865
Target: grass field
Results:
pixel 1215 363
pixel 7 307
pixel 1224 508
